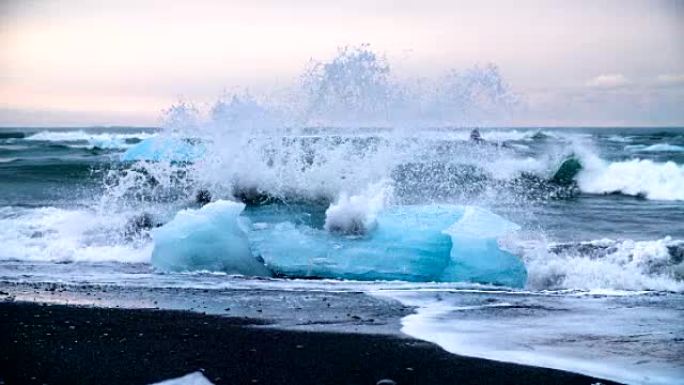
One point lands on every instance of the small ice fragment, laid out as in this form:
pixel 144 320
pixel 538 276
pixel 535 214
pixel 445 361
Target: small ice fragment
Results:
pixel 160 148
pixel 195 378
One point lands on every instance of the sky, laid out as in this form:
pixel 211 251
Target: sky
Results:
pixel 575 63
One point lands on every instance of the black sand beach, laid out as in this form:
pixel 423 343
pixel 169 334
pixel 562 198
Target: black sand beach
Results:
pixel 57 344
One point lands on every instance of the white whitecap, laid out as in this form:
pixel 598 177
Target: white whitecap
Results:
pixel 637 177
pixel 105 140
pixel 659 147
pixel 66 235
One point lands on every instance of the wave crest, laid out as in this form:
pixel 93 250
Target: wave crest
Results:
pixel 637 177
pixel 608 264
pixel 83 139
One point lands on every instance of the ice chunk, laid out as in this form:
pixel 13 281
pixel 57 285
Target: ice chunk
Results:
pixel 210 238
pixel 479 223
pixel 476 256
pixel 407 244
pixel 160 148
pixel 196 378
pixel 412 243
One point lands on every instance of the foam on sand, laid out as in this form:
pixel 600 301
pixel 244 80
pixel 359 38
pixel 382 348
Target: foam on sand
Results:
pixel 571 333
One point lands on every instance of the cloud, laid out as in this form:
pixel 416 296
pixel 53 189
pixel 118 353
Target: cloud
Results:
pixel 608 81
pixel 670 79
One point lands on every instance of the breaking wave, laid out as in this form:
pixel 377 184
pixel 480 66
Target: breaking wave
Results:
pixel 637 177
pixel 61 235
pixel 608 264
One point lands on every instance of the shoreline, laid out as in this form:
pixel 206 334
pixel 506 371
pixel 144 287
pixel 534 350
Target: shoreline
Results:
pixel 67 344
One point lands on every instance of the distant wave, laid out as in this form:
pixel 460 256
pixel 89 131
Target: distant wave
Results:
pixel 502 135
pixel 83 139
pixel 619 138
pixel 13 147
pixel 660 147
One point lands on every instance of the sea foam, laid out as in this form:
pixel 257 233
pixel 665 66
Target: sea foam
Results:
pixel 67 235
pixel 638 177
pixel 608 264
pixel 357 214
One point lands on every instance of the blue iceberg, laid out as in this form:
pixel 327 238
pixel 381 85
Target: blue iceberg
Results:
pixel 475 253
pixel 211 238
pixel 431 243
pixel 412 243
pixel 162 148
pixel 407 243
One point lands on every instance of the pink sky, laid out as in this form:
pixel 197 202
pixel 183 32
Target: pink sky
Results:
pixel 85 62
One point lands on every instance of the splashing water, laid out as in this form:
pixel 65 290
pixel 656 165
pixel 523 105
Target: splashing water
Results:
pixel 357 214
pixel 355 174
pixel 350 125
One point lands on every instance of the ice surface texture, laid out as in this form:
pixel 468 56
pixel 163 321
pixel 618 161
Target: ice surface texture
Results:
pixel 211 238
pixel 411 243
pixel 161 148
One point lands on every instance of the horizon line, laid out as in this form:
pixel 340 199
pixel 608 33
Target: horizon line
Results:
pixel 117 126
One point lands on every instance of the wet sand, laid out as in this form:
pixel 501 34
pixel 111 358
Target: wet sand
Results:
pixel 58 344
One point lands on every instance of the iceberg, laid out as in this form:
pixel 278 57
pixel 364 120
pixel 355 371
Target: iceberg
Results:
pixel 160 148
pixel 475 252
pixel 429 243
pixel 211 238
pixel 407 244
pixel 411 243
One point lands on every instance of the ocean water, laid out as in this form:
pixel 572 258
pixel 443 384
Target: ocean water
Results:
pixel 603 246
